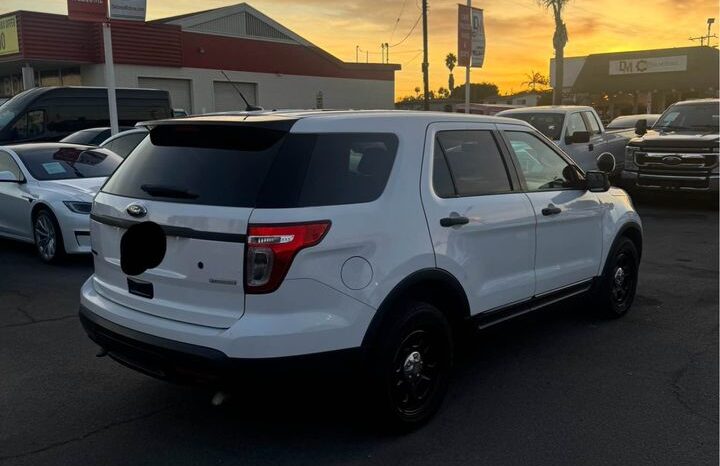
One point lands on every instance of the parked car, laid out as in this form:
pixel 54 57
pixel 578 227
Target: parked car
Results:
pixel 628 122
pixel 46 191
pixel 91 136
pixel 51 113
pixel 679 152
pixel 575 129
pixel 179 112
pixel 227 243
pixel 123 143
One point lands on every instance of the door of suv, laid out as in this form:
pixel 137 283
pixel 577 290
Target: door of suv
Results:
pixel 569 219
pixel 481 225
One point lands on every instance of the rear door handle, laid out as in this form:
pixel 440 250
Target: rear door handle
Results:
pixel 551 210
pixel 453 221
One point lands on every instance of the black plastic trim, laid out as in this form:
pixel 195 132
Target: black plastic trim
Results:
pixel 187 363
pixel 182 232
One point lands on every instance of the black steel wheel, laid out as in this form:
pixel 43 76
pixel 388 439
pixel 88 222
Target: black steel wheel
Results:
pixel 618 284
pixel 410 366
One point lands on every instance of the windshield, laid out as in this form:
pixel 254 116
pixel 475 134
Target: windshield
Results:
pixel 65 163
pixel 13 107
pixel 550 124
pixel 690 116
pixel 627 122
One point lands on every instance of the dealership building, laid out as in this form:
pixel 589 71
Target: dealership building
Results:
pixel 201 58
pixel 643 81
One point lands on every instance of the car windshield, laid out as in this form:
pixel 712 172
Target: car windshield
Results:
pixel 12 108
pixel 64 163
pixel 690 116
pixel 550 124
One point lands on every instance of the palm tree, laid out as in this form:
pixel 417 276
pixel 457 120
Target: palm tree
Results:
pixel 450 61
pixel 535 79
pixel 417 92
pixel 560 38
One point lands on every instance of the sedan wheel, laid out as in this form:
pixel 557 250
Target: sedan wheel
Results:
pixel 48 239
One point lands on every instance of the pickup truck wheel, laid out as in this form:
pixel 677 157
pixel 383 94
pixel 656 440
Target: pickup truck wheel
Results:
pixel 409 366
pixel 618 283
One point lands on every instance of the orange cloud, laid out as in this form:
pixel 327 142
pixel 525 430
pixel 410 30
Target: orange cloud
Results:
pixel 519 32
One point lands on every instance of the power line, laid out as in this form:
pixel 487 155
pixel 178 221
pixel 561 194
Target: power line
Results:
pixel 409 32
pixel 402 8
pixel 413 58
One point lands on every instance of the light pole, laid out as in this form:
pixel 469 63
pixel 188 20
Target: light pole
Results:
pixel 710 22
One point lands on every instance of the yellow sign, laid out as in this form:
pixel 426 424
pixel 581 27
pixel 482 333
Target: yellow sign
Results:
pixel 9 43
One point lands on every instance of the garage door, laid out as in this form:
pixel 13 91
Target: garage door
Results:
pixel 179 90
pixel 228 99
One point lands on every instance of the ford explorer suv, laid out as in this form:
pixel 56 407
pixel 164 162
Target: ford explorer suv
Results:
pixel 577 130
pixel 679 152
pixel 227 242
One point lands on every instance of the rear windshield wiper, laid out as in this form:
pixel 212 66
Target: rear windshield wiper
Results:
pixel 168 191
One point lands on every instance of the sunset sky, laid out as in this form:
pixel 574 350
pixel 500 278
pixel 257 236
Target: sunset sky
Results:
pixel 519 32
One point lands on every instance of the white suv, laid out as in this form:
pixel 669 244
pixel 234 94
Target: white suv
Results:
pixel 224 240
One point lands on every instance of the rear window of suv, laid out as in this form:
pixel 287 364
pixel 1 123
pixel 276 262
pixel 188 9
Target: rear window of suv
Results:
pixel 255 166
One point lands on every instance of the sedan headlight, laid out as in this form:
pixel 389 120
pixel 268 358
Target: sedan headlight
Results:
pixel 79 207
pixel 630 157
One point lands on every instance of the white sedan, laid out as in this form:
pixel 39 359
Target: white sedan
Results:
pixel 46 193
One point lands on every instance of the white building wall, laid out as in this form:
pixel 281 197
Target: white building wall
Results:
pixel 274 90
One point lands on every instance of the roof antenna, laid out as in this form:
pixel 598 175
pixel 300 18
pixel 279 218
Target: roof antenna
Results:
pixel 248 107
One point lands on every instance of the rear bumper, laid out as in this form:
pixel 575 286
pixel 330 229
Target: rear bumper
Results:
pixel 639 180
pixel 186 363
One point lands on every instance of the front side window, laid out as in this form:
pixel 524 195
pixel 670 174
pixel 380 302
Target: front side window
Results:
pixel 575 124
pixel 592 121
pixel 7 164
pixel 68 163
pixel 475 162
pixel 542 167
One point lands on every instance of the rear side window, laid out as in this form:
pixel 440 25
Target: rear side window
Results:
pixel 124 144
pixel 347 168
pixel 476 164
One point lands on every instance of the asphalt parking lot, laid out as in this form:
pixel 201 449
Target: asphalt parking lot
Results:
pixel 560 387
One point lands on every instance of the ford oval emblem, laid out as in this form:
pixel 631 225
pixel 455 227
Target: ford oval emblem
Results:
pixel 672 160
pixel 136 210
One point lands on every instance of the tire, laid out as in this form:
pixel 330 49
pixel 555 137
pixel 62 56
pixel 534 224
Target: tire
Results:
pixel 48 237
pixel 618 284
pixel 409 367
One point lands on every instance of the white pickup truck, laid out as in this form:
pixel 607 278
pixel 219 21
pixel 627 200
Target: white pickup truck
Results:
pixel 577 130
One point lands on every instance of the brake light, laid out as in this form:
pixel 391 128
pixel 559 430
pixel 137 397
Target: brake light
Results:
pixel 271 249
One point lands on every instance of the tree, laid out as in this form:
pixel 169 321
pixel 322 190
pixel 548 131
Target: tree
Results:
pixel 450 62
pixel 417 91
pixel 478 91
pixel 535 80
pixel 560 38
pixel 443 93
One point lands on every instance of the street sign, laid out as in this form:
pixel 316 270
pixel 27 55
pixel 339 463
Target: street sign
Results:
pixel 87 10
pixel 471 37
pixel 9 43
pixel 132 10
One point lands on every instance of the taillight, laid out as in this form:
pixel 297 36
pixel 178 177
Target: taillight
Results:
pixel 271 249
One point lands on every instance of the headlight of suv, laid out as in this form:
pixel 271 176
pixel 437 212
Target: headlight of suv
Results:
pixel 79 207
pixel 630 157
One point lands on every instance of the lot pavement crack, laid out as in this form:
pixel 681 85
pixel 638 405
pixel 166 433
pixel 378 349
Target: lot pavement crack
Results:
pixel 88 434
pixel 679 390
pixel 37 321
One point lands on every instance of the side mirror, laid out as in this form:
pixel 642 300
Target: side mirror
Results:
pixel 641 127
pixel 597 182
pixel 578 137
pixel 606 162
pixel 8 177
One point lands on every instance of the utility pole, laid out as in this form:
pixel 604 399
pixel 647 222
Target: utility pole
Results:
pixel 387 53
pixel 425 65
pixel 357 54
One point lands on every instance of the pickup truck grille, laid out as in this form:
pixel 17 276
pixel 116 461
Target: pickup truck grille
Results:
pixel 676 161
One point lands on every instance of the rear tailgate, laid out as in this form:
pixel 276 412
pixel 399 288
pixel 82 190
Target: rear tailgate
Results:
pixel 200 278
pixel 168 228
